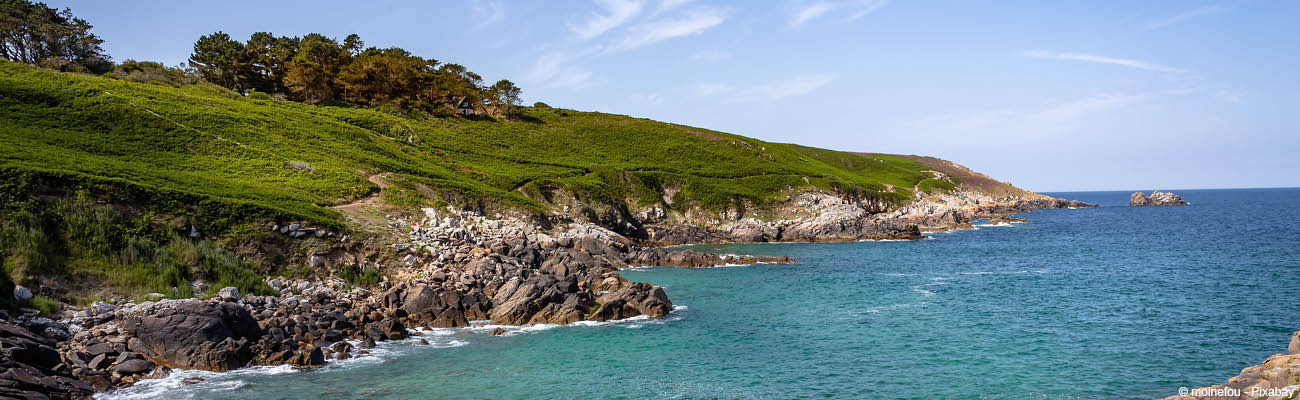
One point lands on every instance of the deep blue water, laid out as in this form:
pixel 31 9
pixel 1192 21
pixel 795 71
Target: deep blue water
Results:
pixel 1114 302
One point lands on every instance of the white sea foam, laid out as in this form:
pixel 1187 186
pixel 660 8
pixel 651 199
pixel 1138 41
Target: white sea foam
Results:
pixel 878 309
pixel 174 386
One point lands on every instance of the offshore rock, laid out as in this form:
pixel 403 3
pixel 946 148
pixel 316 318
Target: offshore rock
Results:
pixel 1157 198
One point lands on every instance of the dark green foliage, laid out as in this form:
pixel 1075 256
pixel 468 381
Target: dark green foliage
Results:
pixel 222 60
pixel 316 69
pixel 34 33
pixel 360 276
pixel 153 72
pixel 77 236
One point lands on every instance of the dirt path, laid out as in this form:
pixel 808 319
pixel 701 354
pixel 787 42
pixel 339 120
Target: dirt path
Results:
pixel 367 210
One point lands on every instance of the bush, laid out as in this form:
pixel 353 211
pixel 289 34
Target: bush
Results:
pixel 540 105
pixel 360 276
pixel 255 95
pixel 45 305
pixel 153 72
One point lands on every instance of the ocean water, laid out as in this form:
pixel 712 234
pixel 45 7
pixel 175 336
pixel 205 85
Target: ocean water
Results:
pixel 1114 302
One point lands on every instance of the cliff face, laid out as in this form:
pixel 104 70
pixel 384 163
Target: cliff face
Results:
pixel 820 215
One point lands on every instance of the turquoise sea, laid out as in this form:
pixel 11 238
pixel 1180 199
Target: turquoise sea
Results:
pixel 1113 302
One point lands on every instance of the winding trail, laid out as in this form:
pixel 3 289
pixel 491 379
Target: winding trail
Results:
pixel 366 210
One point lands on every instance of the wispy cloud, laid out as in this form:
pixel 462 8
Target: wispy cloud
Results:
pixel 615 13
pixel 766 92
pixel 694 22
pixel 867 7
pixel 489 12
pixel 1062 117
pixel 854 9
pixel 556 70
pixel 711 55
pixel 1069 56
pixel 810 12
pixel 1176 18
pixel 1067 113
pixel 668 5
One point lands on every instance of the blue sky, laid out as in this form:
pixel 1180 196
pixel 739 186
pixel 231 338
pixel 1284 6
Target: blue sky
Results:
pixel 1050 95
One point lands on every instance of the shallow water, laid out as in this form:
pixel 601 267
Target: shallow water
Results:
pixel 1115 302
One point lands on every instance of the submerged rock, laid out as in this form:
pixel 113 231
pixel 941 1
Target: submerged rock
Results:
pixel 1157 198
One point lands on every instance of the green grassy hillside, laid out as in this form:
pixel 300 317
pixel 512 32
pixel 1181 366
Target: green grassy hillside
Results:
pixel 228 158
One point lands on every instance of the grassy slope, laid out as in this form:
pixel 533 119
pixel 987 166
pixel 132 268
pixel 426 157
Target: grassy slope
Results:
pixel 228 157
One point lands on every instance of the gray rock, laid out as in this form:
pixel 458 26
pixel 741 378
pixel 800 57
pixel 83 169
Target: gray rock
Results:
pixel 1294 348
pixel 294 227
pixel 132 367
pixel 100 307
pixel 22 293
pixel 228 293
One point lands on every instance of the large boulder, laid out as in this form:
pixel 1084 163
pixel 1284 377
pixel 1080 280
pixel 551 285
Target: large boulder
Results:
pixel 633 300
pixel 194 334
pixel 22 293
pixel 1157 198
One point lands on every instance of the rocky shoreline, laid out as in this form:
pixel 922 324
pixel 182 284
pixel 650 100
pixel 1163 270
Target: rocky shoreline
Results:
pixel 1278 378
pixel 458 267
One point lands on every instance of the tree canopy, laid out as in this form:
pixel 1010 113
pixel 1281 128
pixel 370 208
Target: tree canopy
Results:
pixel 317 69
pixel 35 33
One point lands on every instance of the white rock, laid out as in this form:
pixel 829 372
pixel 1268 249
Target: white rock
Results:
pixel 228 293
pixel 22 293
pixel 100 307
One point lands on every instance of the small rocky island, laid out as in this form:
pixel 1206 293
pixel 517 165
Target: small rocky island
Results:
pixel 1157 198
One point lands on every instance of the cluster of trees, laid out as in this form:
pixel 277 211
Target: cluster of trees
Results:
pixel 35 33
pixel 314 68
pixel 317 69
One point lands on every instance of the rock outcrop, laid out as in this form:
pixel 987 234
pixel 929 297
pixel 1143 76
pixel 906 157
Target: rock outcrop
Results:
pixel 193 334
pixel 31 368
pixel 1278 378
pixel 1157 198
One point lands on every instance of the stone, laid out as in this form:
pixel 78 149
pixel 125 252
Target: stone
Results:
pixel 132 367
pixel 498 331
pixel 228 293
pixel 22 293
pixel 100 307
pixel 194 334
pixel 99 362
pixel 1294 348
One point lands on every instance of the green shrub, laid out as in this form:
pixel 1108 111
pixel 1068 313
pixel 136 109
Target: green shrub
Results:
pixel 360 276
pixel 47 306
